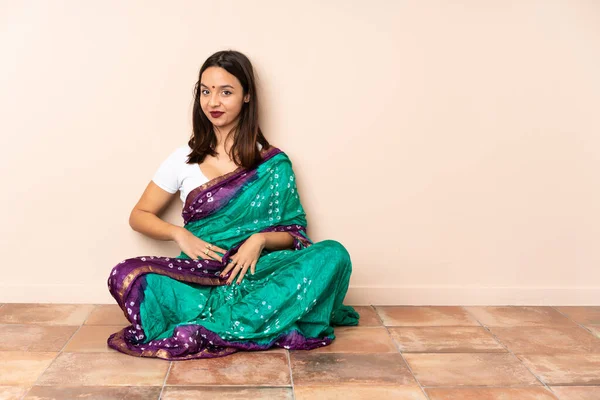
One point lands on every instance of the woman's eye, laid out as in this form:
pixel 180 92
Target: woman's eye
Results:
pixel 225 91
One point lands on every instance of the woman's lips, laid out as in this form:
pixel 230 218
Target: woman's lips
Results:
pixel 216 114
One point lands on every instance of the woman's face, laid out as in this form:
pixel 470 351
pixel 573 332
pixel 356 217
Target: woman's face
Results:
pixel 221 91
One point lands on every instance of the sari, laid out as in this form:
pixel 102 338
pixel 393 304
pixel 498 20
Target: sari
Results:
pixel 180 308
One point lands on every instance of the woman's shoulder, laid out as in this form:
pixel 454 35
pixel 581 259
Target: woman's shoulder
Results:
pixel 278 157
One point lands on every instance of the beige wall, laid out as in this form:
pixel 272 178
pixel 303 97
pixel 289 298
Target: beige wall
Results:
pixel 453 149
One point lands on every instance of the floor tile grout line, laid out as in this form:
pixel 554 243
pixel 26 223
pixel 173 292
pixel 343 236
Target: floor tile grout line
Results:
pixel 508 350
pixel 165 381
pixel 61 350
pixel 231 386
pixel 400 352
pixel 490 386
pixel 581 325
pixel 407 365
pixel 289 360
pixel 378 316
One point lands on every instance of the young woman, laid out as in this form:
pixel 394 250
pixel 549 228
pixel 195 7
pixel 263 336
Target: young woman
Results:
pixel 248 276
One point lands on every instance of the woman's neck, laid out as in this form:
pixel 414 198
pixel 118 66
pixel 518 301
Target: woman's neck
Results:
pixel 223 144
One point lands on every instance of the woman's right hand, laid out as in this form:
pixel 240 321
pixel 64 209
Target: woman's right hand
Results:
pixel 195 247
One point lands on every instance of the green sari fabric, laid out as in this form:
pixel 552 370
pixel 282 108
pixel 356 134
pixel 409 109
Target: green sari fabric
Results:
pixel 181 308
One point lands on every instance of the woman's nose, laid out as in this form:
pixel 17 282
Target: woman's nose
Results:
pixel 214 101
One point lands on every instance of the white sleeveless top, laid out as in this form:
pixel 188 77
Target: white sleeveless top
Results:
pixel 174 174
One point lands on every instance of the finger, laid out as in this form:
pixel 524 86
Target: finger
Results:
pixel 233 274
pixel 242 273
pixel 239 273
pixel 232 270
pixel 208 255
pixel 216 248
pixel 253 267
pixel 228 268
pixel 214 255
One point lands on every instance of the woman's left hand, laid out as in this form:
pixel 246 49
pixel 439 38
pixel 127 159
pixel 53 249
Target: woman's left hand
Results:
pixel 246 257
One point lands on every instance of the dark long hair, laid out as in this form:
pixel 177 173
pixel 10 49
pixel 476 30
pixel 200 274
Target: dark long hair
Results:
pixel 246 131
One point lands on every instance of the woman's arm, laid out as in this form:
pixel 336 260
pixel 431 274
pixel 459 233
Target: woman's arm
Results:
pixel 275 240
pixel 144 217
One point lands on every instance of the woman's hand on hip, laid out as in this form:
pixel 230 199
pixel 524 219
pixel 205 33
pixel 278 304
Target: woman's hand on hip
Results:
pixel 196 248
pixel 246 257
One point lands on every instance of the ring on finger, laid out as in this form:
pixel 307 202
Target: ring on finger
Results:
pixel 209 246
pixel 206 251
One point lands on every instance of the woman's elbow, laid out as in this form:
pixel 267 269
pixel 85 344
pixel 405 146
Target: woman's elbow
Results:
pixel 133 219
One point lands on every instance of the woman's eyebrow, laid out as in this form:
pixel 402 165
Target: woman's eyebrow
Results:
pixel 223 86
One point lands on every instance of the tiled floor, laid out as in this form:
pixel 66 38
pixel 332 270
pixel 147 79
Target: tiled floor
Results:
pixel 51 351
